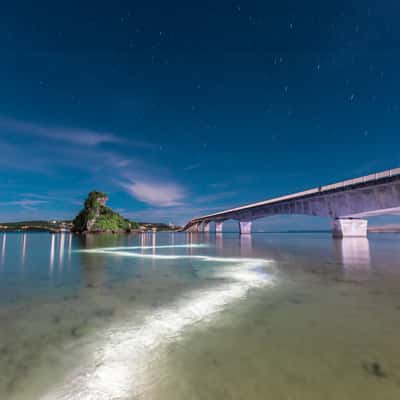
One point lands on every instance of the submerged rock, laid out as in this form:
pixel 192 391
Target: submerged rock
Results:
pixel 105 313
pixel 4 351
pixel 295 300
pixel 374 368
pixel 78 331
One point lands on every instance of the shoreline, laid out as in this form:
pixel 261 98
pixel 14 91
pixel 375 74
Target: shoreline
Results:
pixel 53 231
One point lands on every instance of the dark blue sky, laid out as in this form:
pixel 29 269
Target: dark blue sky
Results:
pixel 178 108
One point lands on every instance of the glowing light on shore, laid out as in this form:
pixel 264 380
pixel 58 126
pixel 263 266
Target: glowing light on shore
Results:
pixel 125 360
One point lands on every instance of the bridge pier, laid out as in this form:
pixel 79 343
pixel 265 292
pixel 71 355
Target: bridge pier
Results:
pixel 348 227
pixel 245 227
pixel 194 228
pixel 206 227
pixel 218 226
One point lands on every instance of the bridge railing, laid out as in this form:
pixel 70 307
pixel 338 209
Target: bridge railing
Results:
pixel 363 179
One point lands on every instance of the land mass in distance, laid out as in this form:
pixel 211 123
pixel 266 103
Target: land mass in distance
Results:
pixel 95 217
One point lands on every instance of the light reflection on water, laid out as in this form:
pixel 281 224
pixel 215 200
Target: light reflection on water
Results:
pixel 52 248
pixel 177 316
pixel 353 252
pixel 23 249
pixel 61 251
pixel 3 249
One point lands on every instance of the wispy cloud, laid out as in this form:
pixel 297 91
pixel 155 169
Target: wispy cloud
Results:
pixel 179 215
pixel 156 193
pixel 218 185
pixel 59 153
pixel 15 158
pixel 191 167
pixel 77 136
pixel 24 203
pixel 215 197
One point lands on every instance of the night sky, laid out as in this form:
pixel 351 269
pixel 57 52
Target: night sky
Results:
pixel 180 108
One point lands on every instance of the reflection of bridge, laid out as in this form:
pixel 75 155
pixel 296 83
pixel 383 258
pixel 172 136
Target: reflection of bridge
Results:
pixel 345 202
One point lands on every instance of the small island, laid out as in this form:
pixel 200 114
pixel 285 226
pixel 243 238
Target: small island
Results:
pixel 95 217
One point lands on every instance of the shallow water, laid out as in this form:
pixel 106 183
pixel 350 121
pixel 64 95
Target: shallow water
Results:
pixel 179 316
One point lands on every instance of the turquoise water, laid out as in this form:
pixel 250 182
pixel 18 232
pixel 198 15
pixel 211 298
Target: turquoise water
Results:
pixel 179 316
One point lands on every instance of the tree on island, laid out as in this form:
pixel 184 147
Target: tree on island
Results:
pixel 96 217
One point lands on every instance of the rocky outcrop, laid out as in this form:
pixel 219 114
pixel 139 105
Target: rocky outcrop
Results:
pixel 96 217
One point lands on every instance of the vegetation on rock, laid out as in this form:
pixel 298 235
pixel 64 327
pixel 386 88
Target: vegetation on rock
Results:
pixel 96 217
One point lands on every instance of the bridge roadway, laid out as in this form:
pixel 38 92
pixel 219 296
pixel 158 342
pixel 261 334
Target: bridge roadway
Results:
pixel 347 203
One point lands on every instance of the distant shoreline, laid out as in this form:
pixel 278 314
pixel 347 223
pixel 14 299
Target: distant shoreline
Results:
pixel 36 226
pixel 66 227
pixel 384 229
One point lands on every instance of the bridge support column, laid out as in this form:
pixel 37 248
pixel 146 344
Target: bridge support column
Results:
pixel 206 227
pixel 218 226
pixel 347 227
pixel 245 227
pixel 193 228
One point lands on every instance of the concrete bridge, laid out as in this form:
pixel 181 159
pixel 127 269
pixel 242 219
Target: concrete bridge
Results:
pixel 347 203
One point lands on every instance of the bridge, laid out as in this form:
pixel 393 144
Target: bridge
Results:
pixel 347 203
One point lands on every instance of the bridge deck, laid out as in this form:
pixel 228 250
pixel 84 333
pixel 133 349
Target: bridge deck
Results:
pixel 367 180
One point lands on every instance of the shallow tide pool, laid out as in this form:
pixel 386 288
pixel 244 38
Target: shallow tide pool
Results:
pixel 196 316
